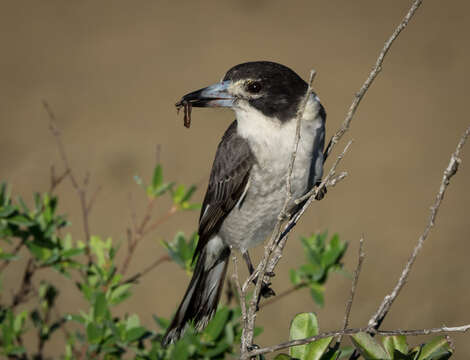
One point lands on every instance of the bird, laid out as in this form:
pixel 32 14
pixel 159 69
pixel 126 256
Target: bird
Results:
pixel 247 184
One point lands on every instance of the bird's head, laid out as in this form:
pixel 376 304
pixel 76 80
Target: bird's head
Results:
pixel 271 88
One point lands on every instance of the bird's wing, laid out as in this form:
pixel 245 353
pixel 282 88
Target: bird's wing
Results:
pixel 228 180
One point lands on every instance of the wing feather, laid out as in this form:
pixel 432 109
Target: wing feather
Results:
pixel 228 180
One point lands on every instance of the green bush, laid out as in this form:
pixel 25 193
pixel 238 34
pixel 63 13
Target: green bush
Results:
pixel 39 236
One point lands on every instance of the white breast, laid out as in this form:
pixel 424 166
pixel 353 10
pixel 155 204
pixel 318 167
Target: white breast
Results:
pixel 272 144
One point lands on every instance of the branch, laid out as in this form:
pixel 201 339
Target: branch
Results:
pixel 284 293
pixel 353 286
pixel 15 252
pixel 244 345
pixel 135 235
pixel 449 172
pixel 81 190
pixel 134 278
pixel 26 284
pixel 308 340
pixel 274 245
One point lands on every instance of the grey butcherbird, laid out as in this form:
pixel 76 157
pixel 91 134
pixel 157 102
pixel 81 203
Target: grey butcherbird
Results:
pixel 247 186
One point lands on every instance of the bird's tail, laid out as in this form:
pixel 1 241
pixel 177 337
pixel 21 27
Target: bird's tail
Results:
pixel 202 296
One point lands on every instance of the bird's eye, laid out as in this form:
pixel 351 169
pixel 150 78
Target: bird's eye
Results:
pixel 254 87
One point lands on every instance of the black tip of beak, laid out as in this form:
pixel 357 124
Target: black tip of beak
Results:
pixel 194 98
pixel 212 96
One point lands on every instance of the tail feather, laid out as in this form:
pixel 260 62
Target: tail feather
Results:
pixel 203 293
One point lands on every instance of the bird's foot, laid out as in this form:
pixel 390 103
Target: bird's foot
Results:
pixel 266 290
pixel 321 194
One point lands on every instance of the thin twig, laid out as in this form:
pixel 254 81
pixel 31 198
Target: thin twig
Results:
pixel 15 252
pixel 135 236
pixel 134 278
pixel 81 190
pixel 26 286
pixel 283 294
pixel 316 189
pixel 288 344
pixel 244 345
pixel 267 265
pixel 357 272
pixel 57 180
pixel 449 172
pixel 282 238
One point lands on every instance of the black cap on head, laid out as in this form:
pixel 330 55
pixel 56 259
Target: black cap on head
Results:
pixel 279 88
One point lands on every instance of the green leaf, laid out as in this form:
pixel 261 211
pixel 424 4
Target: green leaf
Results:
pixel 20 321
pixel 100 248
pixel 157 178
pixel 9 257
pixel 392 343
pixel 189 193
pixel 217 324
pixel 163 189
pixel 282 357
pixel 7 210
pixel 306 325
pixel 368 347
pixel 72 252
pixel 180 351
pixel 20 220
pixel 93 333
pixel 75 317
pixel 294 277
pixel 136 333
pixel 100 307
pixel 317 293
pixel 162 322
pixel 178 194
pixel 434 349
pixel 132 322
pixel 120 293
pixel 40 253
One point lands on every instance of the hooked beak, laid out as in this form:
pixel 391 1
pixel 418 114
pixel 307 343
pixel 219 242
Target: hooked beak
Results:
pixel 216 95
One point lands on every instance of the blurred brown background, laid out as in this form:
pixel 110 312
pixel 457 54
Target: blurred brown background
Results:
pixel 112 71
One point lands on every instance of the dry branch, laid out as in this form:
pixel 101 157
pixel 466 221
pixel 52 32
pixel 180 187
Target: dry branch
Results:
pixel 288 344
pixel 357 272
pixel 81 189
pixel 449 172
pixel 376 320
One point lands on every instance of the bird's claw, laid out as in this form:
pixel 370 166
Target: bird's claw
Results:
pixel 321 194
pixel 266 290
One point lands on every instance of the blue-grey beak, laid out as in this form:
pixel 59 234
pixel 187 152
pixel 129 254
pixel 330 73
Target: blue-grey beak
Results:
pixel 216 95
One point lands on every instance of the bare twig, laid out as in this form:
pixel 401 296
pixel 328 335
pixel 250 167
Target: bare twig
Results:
pixel 277 243
pixel 450 171
pixel 57 180
pixel 329 177
pixel 283 294
pixel 135 235
pixel 288 344
pixel 134 278
pixel 80 189
pixel 244 345
pixel 15 252
pixel 282 237
pixel 370 79
pixel 24 291
pixel 357 272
